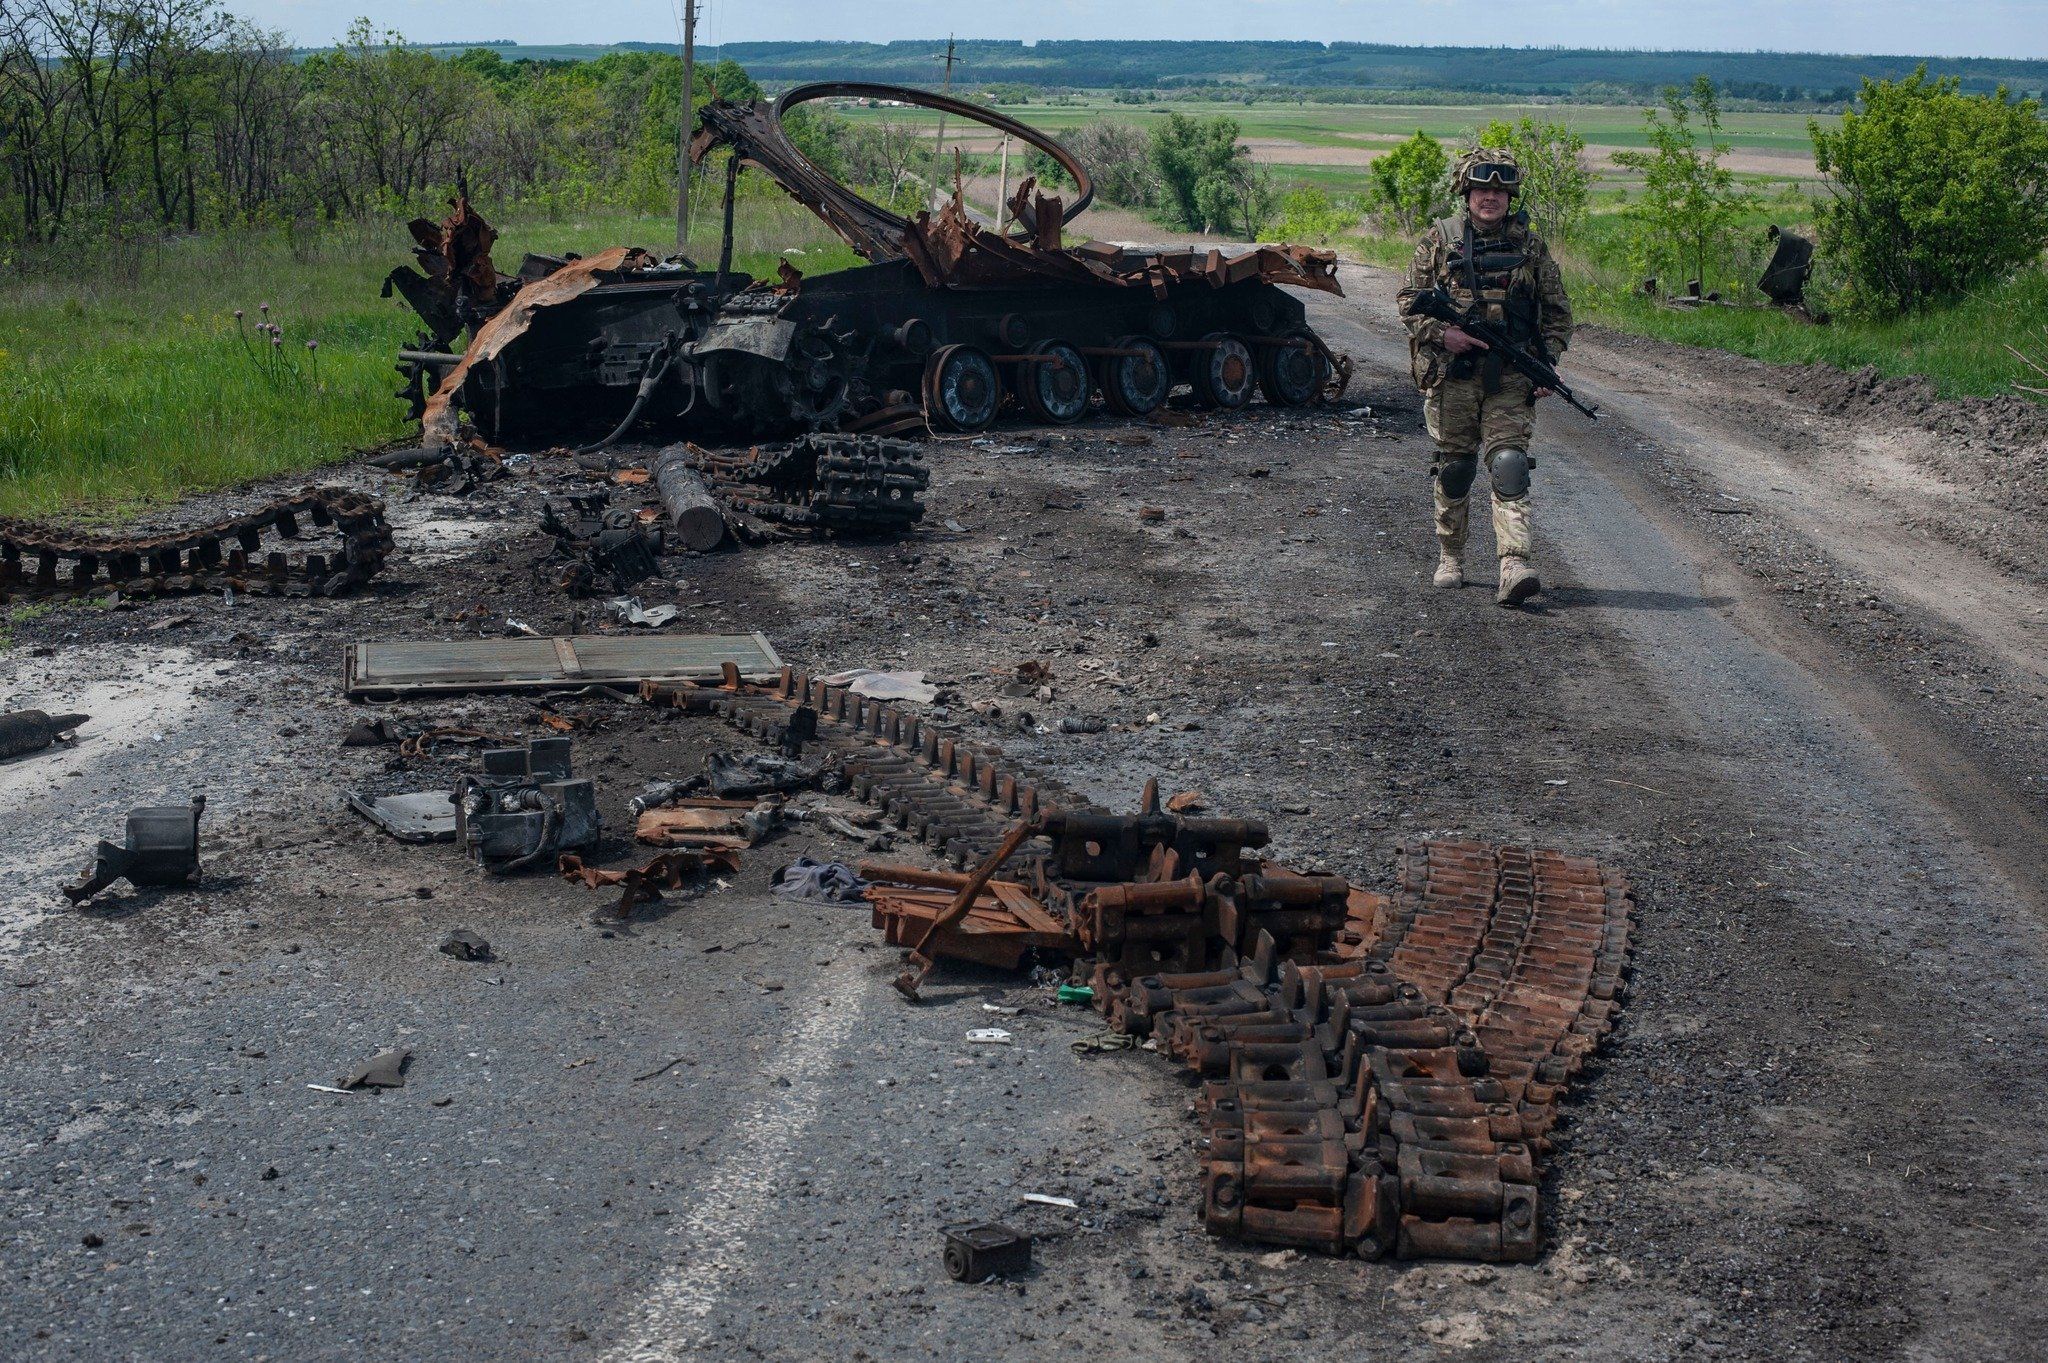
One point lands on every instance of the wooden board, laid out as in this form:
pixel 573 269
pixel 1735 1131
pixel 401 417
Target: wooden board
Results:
pixel 427 667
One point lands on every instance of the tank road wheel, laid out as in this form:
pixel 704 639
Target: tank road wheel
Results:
pixel 1292 371
pixel 1224 373
pixel 1136 384
pixel 1055 389
pixel 961 392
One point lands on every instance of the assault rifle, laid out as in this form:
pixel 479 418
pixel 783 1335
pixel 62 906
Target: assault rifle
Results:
pixel 1539 371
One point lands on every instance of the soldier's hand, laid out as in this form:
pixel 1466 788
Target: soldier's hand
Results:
pixel 1543 392
pixel 1459 342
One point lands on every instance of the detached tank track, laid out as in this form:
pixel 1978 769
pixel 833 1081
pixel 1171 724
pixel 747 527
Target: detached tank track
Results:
pixel 40 561
pixel 1398 1103
pixel 842 484
pixel 1393 1097
pixel 954 795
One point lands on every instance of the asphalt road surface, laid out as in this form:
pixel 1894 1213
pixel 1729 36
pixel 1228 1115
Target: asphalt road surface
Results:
pixel 1816 1135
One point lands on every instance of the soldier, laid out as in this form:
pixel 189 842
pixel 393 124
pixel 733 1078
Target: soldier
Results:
pixel 1476 409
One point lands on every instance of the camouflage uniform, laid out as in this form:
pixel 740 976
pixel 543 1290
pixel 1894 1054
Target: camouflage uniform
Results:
pixel 1476 409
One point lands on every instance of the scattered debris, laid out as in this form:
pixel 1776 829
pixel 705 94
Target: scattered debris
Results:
pixel 644 884
pixel 726 824
pixel 226 556
pixel 830 484
pixel 382 669
pixel 384 1070
pixel 525 809
pixel 1048 1200
pixel 867 681
pixel 631 612
pixel 162 849
pixel 988 1036
pixel 421 816
pixel 465 945
pixel 598 547
pixel 828 882
pixel 27 731
pixel 974 1254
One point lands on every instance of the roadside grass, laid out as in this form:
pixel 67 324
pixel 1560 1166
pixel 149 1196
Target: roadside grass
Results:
pixel 126 381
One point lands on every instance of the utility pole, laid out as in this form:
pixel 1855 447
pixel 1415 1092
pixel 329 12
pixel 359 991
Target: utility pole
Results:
pixel 939 152
pixel 689 118
pixel 1003 185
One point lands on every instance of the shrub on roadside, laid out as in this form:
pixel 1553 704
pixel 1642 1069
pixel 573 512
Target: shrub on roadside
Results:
pixel 1411 184
pixel 1932 191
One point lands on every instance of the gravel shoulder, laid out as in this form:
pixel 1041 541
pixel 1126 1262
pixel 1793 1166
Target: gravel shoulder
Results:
pixel 1817 1135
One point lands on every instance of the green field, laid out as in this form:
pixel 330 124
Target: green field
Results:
pixel 1353 125
pixel 133 383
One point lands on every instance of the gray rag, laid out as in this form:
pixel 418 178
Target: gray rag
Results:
pixel 833 882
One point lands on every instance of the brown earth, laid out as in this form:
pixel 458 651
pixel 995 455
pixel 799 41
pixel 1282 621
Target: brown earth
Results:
pixel 1787 673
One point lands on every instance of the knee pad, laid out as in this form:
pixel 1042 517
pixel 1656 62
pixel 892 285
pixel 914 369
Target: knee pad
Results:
pixel 1455 476
pixel 1510 472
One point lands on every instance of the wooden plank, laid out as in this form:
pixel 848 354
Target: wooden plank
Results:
pixel 422 667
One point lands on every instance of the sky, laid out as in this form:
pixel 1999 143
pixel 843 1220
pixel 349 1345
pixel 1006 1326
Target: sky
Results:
pixel 1987 28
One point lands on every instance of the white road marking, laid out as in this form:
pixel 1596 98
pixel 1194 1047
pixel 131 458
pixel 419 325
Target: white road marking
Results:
pixel 746 1187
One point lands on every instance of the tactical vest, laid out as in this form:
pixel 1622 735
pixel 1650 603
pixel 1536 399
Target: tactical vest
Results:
pixel 1499 272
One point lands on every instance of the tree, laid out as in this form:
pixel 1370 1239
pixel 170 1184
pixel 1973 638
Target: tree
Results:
pixel 1239 198
pixel 1310 215
pixel 1555 180
pixel 1691 207
pixel 1117 156
pixel 1410 183
pixel 1932 191
pixel 1186 153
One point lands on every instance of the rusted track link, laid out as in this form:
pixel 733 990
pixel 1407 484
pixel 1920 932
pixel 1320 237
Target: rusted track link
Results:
pixel 242 553
pixel 1396 1103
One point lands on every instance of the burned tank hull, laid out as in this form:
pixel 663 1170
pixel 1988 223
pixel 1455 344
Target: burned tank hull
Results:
pixel 872 347
pixel 954 325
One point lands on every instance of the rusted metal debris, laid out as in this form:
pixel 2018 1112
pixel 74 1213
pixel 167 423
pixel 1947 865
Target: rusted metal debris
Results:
pixel 248 553
pixel 950 324
pixel 599 548
pixel 1382 1072
pixel 646 884
pixel 161 848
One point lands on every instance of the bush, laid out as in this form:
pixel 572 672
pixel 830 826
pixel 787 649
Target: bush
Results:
pixel 1189 153
pixel 1411 184
pixel 1933 191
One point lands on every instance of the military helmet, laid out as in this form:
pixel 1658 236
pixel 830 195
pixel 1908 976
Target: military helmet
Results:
pixel 1494 167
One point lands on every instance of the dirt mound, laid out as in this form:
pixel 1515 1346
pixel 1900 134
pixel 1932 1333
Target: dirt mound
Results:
pixel 2010 424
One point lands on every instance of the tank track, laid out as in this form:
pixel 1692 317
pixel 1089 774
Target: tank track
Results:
pixel 1399 1103
pixel 242 553
pixel 1384 1084
pixel 840 484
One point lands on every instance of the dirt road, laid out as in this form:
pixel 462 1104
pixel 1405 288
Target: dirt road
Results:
pixel 1817 1135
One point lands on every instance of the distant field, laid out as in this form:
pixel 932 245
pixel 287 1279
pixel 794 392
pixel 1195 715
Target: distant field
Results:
pixel 1337 125
pixel 1328 145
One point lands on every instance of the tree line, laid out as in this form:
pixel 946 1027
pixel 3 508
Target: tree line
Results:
pixel 140 116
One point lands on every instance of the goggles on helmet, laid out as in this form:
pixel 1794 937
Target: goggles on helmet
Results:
pixel 1494 173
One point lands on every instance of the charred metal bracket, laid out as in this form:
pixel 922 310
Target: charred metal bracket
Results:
pixel 162 848
pixel 600 549
pixel 755 133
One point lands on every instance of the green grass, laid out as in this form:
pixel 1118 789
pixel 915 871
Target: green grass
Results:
pixel 124 379
pixel 1961 349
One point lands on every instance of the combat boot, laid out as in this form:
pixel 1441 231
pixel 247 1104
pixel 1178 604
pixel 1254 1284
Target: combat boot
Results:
pixel 1514 538
pixel 1453 515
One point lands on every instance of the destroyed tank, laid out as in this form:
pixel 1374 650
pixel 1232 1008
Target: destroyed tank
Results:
pixel 952 324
